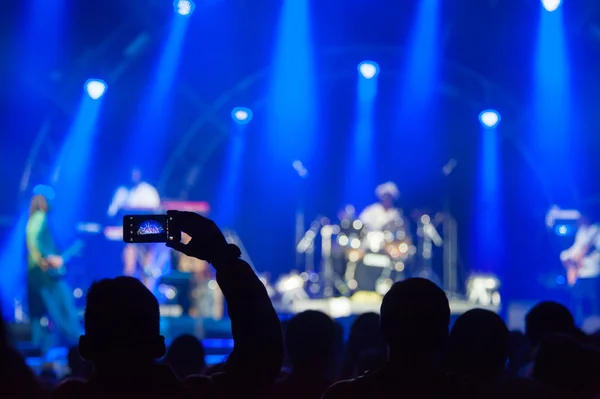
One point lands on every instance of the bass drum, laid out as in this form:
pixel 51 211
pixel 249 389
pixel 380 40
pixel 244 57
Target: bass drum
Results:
pixel 375 272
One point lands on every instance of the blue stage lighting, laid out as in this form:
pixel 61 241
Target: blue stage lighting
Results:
pixel 551 5
pixel 95 88
pixel 242 115
pixel 368 69
pixel 489 118
pixel 184 7
pixel 44 190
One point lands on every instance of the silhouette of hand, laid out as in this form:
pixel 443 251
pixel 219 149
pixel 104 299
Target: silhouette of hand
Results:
pixel 207 242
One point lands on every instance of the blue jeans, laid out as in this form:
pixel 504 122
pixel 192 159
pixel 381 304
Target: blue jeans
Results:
pixel 60 306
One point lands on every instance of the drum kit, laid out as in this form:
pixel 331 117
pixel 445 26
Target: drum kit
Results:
pixel 356 259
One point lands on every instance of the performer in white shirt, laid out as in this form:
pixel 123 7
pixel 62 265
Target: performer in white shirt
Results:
pixel 138 196
pixel 582 261
pixel 145 261
pixel 382 214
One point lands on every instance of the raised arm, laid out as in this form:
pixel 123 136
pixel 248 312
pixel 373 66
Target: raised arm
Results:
pixel 258 344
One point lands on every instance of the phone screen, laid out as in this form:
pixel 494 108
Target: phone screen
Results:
pixel 147 228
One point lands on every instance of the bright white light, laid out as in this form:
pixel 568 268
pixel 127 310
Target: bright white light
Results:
pixel 95 88
pixel 242 115
pixel 489 118
pixel 368 69
pixel 184 7
pixel 551 5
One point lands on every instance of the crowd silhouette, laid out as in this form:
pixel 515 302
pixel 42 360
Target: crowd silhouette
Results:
pixel 407 351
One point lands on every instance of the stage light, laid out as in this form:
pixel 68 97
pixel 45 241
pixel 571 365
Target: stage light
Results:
pixel 489 118
pixel 551 5
pixel 95 88
pixel 241 115
pixel 184 7
pixel 368 69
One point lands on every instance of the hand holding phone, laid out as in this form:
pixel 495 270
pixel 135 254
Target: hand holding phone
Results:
pixel 150 229
pixel 207 241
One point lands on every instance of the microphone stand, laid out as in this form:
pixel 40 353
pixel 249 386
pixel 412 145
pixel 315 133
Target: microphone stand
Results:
pixel 300 216
pixel 449 228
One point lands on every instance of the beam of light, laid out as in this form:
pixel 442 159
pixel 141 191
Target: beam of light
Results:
pixel 292 93
pixel 487 232
pixel 13 274
pixel 553 131
pixel 70 174
pixel 419 83
pixel 184 7
pixel 95 88
pixel 489 118
pixel 151 125
pixel 551 5
pixel 242 115
pixel 229 189
pixel 360 176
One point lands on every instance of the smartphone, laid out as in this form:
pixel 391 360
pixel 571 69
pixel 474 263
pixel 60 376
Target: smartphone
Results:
pixel 149 228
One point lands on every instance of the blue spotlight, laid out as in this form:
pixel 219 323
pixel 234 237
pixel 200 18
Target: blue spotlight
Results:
pixel 551 5
pixel 368 69
pixel 489 118
pixel 184 7
pixel 44 190
pixel 241 115
pixel 95 88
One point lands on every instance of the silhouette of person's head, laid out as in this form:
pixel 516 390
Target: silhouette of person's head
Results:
pixel 366 349
pixel 186 356
pixel 122 326
pixel 478 344
pixel 547 318
pixel 560 363
pixel 310 339
pixel 415 315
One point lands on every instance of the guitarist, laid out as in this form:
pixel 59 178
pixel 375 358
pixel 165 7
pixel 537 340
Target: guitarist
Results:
pixel 49 296
pixel 582 262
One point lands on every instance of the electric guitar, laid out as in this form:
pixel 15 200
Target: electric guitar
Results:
pixel 574 263
pixel 67 255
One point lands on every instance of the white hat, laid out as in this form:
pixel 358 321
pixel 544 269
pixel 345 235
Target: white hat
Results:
pixel 388 188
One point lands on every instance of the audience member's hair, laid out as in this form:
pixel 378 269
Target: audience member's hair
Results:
pixel 186 356
pixel 547 318
pixel 121 319
pixel 310 339
pixel 365 349
pixel 415 315
pixel 478 344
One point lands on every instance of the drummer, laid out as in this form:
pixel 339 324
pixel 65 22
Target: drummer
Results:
pixel 383 214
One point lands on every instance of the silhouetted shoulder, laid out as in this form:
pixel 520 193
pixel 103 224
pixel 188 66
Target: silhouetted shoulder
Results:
pixel 355 388
pixel 72 388
pixel 342 389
